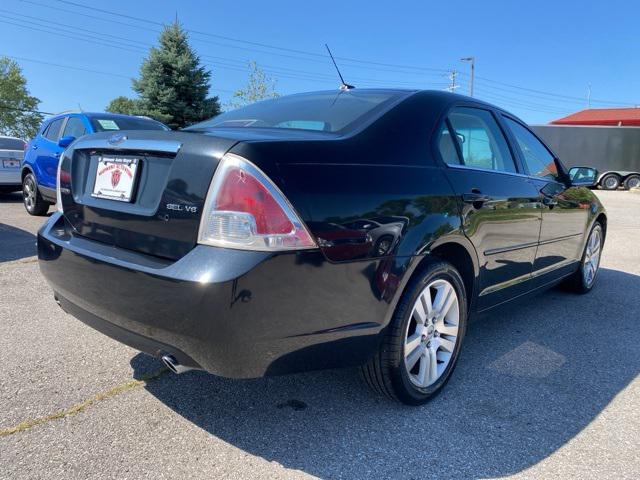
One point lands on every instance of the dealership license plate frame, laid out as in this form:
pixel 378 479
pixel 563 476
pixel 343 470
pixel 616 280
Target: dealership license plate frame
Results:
pixel 129 173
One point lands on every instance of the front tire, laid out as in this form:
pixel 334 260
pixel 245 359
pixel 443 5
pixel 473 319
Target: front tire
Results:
pixel 422 343
pixel 33 201
pixel 583 280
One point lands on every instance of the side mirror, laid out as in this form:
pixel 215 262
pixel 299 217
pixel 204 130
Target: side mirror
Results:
pixel 64 142
pixel 583 176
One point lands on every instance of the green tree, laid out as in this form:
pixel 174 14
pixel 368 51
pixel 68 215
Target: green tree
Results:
pixel 18 115
pixel 173 87
pixel 128 106
pixel 260 87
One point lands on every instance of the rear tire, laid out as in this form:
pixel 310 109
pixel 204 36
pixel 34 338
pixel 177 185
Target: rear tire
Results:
pixel 611 181
pixel 421 345
pixel 583 280
pixel 31 197
pixel 632 181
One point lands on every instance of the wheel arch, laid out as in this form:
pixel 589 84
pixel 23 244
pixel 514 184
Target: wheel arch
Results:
pixel 26 169
pixel 455 249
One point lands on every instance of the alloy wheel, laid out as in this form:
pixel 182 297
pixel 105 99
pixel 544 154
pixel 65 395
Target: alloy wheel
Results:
pixel 29 193
pixel 591 260
pixel 432 333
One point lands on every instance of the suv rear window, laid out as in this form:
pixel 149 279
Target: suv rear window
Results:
pixel 11 144
pixel 105 124
pixel 330 111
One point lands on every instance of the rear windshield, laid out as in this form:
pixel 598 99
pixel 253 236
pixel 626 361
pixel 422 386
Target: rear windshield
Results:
pixel 11 144
pixel 330 111
pixel 125 123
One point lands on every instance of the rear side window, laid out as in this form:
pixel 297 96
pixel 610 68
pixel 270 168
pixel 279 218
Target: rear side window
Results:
pixel 11 144
pixel 74 128
pixel 53 130
pixel 447 146
pixel 537 158
pixel 480 139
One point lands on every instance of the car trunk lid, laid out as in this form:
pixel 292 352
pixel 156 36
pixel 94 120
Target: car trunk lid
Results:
pixel 167 175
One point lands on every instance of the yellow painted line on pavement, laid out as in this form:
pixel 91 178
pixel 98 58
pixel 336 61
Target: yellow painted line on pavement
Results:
pixel 82 406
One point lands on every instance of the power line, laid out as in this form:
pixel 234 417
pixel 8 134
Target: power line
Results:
pixel 549 96
pixel 132 46
pixel 26 110
pixel 248 42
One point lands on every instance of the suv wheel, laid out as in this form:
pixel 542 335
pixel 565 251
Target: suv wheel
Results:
pixel 33 201
pixel 422 343
pixel 610 182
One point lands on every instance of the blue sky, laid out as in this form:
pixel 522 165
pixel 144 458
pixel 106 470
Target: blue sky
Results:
pixel 535 59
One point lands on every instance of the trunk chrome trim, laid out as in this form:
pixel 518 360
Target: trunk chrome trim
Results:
pixel 167 146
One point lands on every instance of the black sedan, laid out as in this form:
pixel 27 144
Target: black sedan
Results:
pixel 246 245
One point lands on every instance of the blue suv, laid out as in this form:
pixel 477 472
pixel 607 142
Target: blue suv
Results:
pixel 40 164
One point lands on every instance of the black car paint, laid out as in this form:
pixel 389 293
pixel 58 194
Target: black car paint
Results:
pixel 139 274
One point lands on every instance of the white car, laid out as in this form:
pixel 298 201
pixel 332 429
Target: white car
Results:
pixel 11 153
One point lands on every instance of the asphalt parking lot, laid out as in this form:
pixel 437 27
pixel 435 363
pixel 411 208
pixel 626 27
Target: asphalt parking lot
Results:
pixel 546 388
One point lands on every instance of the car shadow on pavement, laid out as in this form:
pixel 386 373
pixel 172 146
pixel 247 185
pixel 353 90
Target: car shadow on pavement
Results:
pixel 531 377
pixel 15 243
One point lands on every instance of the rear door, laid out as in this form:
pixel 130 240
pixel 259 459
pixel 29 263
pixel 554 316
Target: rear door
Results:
pixel 500 206
pixel 48 153
pixel 565 209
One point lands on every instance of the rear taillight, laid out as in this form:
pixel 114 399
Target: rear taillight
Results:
pixel 58 194
pixel 245 210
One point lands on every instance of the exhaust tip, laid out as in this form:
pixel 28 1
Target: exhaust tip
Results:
pixel 172 364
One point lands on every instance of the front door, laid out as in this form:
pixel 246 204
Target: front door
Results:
pixel 500 207
pixel 565 209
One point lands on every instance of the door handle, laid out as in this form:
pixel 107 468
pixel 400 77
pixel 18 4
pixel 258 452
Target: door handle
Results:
pixel 35 147
pixel 475 197
pixel 57 155
pixel 549 201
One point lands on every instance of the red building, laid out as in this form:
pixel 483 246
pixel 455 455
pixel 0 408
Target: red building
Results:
pixel 603 116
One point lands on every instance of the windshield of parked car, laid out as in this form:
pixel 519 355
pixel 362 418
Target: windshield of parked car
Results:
pixel 11 144
pixel 330 111
pixel 105 124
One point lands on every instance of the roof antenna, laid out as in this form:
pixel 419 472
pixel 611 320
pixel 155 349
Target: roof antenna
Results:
pixel 344 86
pixel 80 108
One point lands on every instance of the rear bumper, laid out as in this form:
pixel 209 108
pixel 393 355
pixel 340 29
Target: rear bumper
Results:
pixel 233 313
pixel 9 176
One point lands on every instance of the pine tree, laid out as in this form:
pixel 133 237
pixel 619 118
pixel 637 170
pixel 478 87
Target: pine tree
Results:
pixel 173 87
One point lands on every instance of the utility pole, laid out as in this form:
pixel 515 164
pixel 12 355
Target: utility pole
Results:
pixel 472 62
pixel 452 81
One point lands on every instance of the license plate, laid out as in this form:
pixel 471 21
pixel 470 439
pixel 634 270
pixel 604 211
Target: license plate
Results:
pixel 115 178
pixel 11 163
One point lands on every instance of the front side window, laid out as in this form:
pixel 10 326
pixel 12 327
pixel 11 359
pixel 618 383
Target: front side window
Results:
pixel 53 131
pixel 480 139
pixel 74 128
pixel 538 159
